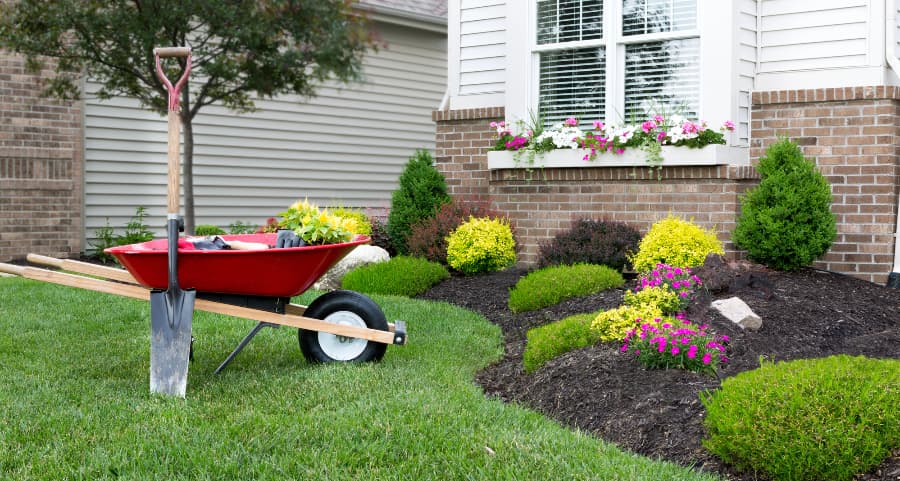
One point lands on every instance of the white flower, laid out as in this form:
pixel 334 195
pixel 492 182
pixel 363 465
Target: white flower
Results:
pixel 563 136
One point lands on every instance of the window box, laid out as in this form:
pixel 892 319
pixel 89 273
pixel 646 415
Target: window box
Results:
pixel 672 156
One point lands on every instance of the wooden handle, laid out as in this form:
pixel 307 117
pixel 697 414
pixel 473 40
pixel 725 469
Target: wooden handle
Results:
pixel 174 192
pixel 113 273
pixel 12 269
pixel 165 52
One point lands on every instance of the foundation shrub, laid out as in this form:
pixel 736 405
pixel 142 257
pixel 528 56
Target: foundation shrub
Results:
pixel 552 340
pixel 591 242
pixel 422 191
pixel 208 229
pixel 677 242
pixel 810 419
pixel 400 276
pixel 481 244
pixel 550 285
pixel 786 222
pixel 615 324
pixel 428 237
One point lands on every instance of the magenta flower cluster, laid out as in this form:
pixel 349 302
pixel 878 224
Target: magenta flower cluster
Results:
pixel 676 343
pixel 679 280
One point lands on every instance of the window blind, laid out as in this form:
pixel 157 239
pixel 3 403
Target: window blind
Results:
pixel 641 17
pixel 561 21
pixel 662 77
pixel 573 83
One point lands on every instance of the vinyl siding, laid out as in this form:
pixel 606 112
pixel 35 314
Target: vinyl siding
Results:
pixel 345 146
pixel 801 35
pixel 746 65
pixel 482 46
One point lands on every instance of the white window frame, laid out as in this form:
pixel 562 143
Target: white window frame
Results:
pixel 718 54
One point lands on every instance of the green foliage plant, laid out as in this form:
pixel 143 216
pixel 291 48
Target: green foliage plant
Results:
pixel 552 340
pixel 136 230
pixel 105 238
pixel 421 192
pixel 363 226
pixel 666 300
pixel 810 419
pixel 280 48
pixel 400 276
pixel 428 237
pixel 550 285
pixel 481 245
pixel 591 242
pixel 208 229
pixel 786 222
pixel 316 226
pixel 239 227
pixel 615 324
pixel 676 242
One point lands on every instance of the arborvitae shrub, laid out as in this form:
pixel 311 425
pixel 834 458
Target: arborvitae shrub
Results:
pixel 481 245
pixel 676 242
pixel 422 191
pixel 591 242
pixel 786 222
pixel 428 237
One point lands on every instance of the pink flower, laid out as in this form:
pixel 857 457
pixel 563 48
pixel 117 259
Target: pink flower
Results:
pixel 648 126
pixel 599 125
pixel 692 352
pixel 675 350
pixel 571 122
pixel 707 358
pixel 690 128
pixel 620 151
pixel 725 338
pixel 661 136
pixel 658 118
pixel 728 125
pixel 624 347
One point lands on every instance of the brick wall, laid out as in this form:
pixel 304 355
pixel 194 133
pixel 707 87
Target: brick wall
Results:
pixel 542 203
pixel 852 134
pixel 40 167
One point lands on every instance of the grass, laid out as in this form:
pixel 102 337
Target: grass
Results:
pixel 399 276
pixel 550 285
pixel 75 403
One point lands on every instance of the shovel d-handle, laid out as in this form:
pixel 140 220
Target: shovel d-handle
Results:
pixel 174 90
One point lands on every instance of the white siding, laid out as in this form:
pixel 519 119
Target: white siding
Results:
pixel 482 46
pixel 800 34
pixel 346 146
pixel 746 66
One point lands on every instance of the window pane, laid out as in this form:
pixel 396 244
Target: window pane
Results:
pixel 654 16
pixel 569 20
pixel 572 83
pixel 662 77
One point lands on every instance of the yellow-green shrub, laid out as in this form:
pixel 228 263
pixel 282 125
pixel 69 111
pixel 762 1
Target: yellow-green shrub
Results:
pixel 481 245
pixel 363 226
pixel 614 324
pixel 666 300
pixel 676 242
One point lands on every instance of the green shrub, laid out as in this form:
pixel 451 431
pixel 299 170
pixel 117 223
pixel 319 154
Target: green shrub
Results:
pixel 428 237
pixel 363 225
pixel 601 242
pixel 422 190
pixel 400 276
pixel 239 227
pixel 675 242
pixel 551 285
pixel 208 229
pixel 557 338
pixel 136 231
pixel 481 245
pixel 614 324
pixel 786 222
pixel 811 419
pixel 665 299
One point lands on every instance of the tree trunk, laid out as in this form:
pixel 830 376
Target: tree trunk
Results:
pixel 188 164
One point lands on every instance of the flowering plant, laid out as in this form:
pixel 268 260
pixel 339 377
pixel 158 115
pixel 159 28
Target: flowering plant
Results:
pixel 676 342
pixel 316 226
pixel 678 280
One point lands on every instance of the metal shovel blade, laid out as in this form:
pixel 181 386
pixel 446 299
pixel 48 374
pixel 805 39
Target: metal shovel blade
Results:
pixel 171 313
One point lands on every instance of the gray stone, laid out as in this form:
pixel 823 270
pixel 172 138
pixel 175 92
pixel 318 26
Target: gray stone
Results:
pixel 738 312
pixel 362 255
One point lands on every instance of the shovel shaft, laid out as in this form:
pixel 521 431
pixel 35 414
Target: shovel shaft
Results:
pixel 174 164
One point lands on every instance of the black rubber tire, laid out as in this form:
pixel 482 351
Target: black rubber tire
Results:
pixel 343 303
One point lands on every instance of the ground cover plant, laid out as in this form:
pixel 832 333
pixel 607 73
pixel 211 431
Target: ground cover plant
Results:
pixel 551 340
pixel 550 285
pixel 399 276
pixel 74 403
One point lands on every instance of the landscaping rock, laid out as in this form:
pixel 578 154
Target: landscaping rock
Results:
pixel 715 273
pixel 362 255
pixel 738 312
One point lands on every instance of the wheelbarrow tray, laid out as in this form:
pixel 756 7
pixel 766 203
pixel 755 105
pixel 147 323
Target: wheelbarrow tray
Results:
pixel 274 272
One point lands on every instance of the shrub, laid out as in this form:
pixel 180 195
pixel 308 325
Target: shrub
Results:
pixel 422 190
pixel 428 237
pixel 208 229
pixel 400 276
pixel 666 300
pixel 786 222
pixel 675 242
pixel 380 236
pixel 363 225
pixel 557 338
pixel 822 419
pixel 591 242
pixel 136 231
pixel 481 245
pixel 676 343
pixel 551 285
pixel 238 227
pixel 615 324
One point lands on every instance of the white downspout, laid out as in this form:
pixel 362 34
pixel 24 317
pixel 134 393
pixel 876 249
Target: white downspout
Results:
pixel 890 46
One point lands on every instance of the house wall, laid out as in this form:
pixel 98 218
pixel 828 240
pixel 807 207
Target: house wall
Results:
pixel 345 146
pixel 40 167
pixel 477 48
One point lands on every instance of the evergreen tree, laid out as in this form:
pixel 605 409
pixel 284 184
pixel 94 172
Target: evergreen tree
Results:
pixel 422 192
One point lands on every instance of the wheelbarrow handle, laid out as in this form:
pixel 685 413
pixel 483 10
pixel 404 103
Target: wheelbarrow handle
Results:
pixel 174 91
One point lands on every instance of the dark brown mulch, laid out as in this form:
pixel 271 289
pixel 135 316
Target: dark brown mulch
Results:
pixel 658 413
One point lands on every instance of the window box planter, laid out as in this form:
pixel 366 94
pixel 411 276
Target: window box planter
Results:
pixel 672 156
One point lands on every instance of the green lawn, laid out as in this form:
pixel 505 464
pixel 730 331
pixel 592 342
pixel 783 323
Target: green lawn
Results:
pixel 75 403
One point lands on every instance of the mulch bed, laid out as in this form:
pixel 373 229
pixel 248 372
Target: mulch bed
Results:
pixel 657 413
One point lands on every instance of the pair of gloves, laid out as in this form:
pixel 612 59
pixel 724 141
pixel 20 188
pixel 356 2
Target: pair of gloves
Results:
pixel 288 238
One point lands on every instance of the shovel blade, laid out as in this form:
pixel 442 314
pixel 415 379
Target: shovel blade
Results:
pixel 171 313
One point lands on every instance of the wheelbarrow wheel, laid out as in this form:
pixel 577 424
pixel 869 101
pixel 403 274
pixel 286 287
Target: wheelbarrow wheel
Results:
pixel 349 308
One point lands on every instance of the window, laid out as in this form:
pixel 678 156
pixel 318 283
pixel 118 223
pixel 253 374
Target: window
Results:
pixel 616 59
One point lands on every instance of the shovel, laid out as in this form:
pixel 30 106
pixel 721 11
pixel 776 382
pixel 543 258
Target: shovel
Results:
pixel 171 311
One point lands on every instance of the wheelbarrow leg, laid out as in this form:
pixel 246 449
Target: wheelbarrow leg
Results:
pixel 258 327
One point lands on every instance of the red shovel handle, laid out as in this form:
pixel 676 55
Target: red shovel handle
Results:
pixel 165 52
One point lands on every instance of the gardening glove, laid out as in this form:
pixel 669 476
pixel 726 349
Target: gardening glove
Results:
pixel 211 243
pixel 288 238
